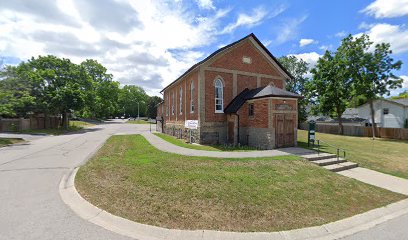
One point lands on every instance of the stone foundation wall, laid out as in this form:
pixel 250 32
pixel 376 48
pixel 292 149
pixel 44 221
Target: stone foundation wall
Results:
pixel 262 138
pixel 179 131
pixel 214 133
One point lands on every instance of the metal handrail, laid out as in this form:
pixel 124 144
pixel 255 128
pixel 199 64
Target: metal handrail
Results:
pixel 333 146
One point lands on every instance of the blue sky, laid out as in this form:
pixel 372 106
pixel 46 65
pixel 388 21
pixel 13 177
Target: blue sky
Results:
pixel 150 43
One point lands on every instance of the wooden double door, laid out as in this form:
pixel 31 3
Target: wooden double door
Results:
pixel 284 130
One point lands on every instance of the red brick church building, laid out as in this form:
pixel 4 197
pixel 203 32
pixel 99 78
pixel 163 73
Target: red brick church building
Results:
pixel 237 95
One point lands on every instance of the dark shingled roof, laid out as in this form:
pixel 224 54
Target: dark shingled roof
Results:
pixel 268 91
pixel 224 48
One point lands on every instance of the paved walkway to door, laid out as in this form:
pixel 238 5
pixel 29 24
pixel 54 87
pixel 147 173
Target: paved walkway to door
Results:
pixel 165 146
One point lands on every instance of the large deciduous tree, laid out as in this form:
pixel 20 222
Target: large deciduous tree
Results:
pixel 132 101
pixel 15 93
pixel 330 87
pixel 102 94
pixel 374 74
pixel 152 103
pixel 60 85
pixel 298 68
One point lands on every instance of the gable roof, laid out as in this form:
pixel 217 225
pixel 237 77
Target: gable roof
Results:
pixel 225 48
pixel 267 91
pixel 403 101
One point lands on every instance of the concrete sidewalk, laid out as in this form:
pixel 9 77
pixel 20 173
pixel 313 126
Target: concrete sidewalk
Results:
pixel 395 184
pixel 165 146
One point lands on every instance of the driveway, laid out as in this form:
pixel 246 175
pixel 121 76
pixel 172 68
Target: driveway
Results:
pixel 30 204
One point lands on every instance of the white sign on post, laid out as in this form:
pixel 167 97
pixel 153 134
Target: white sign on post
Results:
pixel 191 124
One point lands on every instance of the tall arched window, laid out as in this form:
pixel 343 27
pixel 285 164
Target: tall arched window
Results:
pixel 219 96
pixel 172 104
pixel 167 105
pixel 192 97
pixel 181 101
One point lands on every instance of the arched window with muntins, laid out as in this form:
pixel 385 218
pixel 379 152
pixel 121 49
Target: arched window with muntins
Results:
pixel 192 97
pixel 219 96
pixel 181 101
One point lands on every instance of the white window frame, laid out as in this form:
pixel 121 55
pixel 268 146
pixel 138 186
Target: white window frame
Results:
pixel 172 103
pixel 192 97
pixel 219 85
pixel 181 101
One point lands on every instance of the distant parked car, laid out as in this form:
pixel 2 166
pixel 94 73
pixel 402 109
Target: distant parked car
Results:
pixel 131 119
pixel 116 118
pixel 122 117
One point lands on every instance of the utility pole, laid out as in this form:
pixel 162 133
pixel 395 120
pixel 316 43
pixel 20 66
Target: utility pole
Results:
pixel 137 110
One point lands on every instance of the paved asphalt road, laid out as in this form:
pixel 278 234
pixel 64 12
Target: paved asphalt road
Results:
pixel 30 204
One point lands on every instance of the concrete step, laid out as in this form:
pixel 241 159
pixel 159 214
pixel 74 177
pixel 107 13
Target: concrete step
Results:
pixel 329 161
pixel 341 166
pixel 314 157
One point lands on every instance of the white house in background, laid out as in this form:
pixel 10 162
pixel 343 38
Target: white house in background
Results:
pixel 389 113
pixel 350 113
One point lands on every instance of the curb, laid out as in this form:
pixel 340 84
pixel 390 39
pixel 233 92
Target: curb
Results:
pixel 122 226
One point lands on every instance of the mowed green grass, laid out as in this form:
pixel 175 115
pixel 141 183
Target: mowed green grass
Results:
pixel 130 178
pixel 182 143
pixel 138 122
pixel 383 155
pixel 8 141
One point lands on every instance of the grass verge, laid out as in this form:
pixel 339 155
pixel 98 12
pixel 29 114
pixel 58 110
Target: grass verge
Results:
pixel 182 143
pixel 130 178
pixel 138 122
pixel 383 155
pixel 8 141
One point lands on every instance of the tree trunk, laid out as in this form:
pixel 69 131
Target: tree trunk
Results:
pixel 65 120
pixel 372 117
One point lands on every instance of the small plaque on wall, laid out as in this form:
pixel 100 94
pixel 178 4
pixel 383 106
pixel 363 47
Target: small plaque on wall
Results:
pixel 283 107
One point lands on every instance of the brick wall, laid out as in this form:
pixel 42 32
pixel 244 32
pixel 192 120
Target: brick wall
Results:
pixel 184 84
pixel 210 76
pixel 233 60
pixel 261 113
pixel 245 82
pixel 276 82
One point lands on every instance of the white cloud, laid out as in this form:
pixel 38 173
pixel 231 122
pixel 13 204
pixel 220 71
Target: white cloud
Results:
pixel 266 42
pixel 205 4
pixel 311 58
pixel 289 29
pixel 306 41
pixel 405 83
pixel 151 43
pixel 254 18
pixel 387 8
pixel 326 47
pixel 396 35
pixel 341 34
pixel 396 92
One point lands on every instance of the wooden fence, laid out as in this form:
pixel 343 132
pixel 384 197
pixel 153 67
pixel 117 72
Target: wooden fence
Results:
pixel 36 122
pixel 392 133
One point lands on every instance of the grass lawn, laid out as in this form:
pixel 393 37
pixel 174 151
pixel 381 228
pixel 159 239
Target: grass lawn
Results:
pixel 182 143
pixel 383 155
pixel 131 178
pixel 8 141
pixel 138 122
pixel 74 126
pixel 80 124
